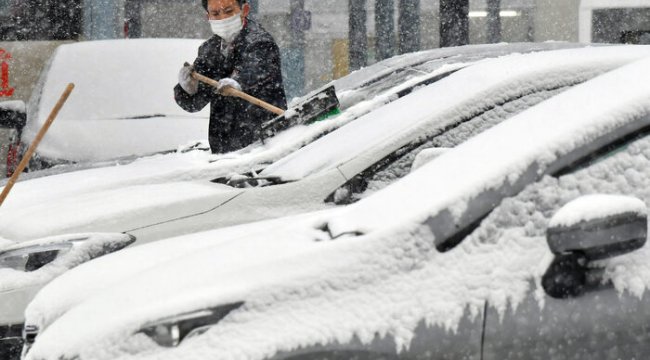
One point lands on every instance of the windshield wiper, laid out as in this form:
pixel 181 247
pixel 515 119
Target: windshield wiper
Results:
pixel 139 117
pixel 247 181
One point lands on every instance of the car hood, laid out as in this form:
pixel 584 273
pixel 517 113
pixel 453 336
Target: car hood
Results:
pixel 114 210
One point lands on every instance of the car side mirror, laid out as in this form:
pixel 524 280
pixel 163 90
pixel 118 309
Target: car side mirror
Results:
pixel 593 227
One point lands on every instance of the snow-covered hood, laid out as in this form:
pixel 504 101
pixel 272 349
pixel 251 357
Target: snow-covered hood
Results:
pixel 384 281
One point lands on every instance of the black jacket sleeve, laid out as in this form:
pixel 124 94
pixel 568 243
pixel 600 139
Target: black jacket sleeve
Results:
pixel 207 61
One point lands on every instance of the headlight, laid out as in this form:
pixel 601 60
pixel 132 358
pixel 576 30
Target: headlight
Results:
pixel 172 331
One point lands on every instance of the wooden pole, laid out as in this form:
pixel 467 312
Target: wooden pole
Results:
pixel 37 140
pixel 229 91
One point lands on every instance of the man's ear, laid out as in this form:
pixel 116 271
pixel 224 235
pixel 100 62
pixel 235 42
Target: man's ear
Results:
pixel 246 9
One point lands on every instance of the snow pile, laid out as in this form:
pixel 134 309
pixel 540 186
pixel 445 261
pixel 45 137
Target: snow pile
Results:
pixel 597 206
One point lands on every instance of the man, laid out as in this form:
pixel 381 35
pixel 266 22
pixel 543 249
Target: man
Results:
pixel 242 55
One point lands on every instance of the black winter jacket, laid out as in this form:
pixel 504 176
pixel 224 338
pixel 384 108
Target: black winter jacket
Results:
pixel 254 61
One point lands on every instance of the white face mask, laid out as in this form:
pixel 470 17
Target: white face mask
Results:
pixel 227 29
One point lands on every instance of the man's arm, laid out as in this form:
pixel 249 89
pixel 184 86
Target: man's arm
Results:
pixel 205 65
pixel 192 103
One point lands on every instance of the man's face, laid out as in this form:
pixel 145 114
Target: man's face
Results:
pixel 223 9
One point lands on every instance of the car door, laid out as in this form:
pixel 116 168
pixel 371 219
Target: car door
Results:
pixel 429 343
pixel 609 321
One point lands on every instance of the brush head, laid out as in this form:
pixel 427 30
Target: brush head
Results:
pixel 315 108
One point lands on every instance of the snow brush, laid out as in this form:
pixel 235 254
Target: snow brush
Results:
pixel 35 142
pixel 319 106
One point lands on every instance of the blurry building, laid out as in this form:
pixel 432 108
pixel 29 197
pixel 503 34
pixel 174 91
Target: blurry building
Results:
pixel 314 35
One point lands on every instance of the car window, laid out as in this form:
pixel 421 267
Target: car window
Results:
pixel 621 171
pixel 398 164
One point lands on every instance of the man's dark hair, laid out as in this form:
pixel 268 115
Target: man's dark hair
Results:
pixel 205 3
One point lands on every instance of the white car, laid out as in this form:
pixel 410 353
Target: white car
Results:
pixel 432 266
pixel 340 167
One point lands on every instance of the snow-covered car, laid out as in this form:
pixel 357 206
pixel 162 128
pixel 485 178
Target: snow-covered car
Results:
pixel 351 162
pixel 360 93
pixel 514 254
pixel 122 104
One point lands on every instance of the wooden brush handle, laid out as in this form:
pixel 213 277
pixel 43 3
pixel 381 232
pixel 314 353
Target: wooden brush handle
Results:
pixel 230 91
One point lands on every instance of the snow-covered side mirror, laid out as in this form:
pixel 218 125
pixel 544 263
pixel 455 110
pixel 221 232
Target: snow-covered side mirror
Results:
pixel 592 227
pixel 427 155
pixel 599 226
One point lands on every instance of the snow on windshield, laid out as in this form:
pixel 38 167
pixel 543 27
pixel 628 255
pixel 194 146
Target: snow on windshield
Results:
pixel 454 137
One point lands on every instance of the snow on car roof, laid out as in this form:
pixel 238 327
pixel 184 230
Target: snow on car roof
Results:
pixel 123 90
pixel 385 282
pixel 457 94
